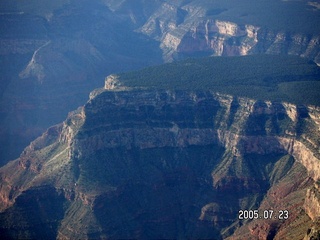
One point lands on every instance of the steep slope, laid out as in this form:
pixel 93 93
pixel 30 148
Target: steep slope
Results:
pixel 53 53
pixel 162 163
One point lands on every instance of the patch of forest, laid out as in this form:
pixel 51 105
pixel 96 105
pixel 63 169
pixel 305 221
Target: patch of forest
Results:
pixel 265 77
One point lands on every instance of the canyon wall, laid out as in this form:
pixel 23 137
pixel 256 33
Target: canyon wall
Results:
pixel 187 29
pixel 224 38
pixel 143 163
pixel 168 144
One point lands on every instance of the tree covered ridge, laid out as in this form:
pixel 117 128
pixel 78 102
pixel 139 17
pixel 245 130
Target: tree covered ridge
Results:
pixel 264 77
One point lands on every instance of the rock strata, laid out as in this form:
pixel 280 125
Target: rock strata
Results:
pixel 154 157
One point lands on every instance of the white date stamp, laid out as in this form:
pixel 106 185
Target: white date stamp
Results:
pixel 263 214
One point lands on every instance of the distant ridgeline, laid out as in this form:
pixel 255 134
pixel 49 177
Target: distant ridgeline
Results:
pixel 266 77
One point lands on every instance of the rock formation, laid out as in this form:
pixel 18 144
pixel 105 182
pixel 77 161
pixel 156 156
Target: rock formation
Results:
pixel 139 162
pixel 198 31
pixel 54 54
pixel 145 163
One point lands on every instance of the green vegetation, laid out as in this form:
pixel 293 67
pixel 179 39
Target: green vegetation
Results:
pixel 265 77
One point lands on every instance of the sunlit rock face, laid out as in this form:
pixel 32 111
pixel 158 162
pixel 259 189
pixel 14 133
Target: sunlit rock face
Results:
pixel 159 157
pixel 187 28
pixel 54 54
pixel 212 36
pixel 224 38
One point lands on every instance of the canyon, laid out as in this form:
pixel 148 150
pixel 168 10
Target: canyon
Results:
pixel 176 143
pixel 138 162
pixel 54 54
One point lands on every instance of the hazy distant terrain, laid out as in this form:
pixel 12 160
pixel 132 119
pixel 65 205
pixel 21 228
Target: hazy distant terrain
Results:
pixel 52 60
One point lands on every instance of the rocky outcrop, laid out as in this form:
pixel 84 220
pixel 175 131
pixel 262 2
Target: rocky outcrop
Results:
pixel 212 36
pixel 312 203
pixel 111 82
pixel 295 44
pixel 166 145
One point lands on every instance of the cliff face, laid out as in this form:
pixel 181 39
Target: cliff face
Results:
pixel 186 29
pixel 224 38
pixel 212 36
pixel 166 164
pixel 312 201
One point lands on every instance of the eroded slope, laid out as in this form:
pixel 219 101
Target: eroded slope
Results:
pixel 166 164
